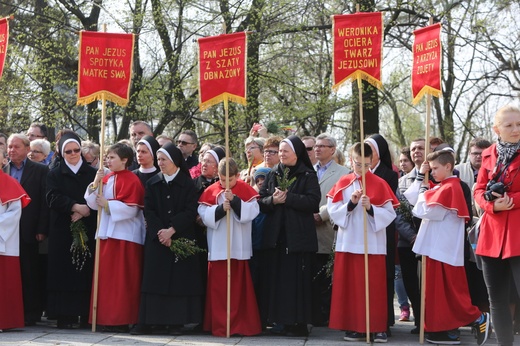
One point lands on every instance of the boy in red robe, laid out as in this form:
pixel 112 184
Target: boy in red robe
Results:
pixel 441 239
pixel 214 203
pixel 347 205
pixel 12 199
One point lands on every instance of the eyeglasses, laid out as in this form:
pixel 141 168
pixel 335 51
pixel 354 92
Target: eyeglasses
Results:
pixel 476 154
pixel 271 152
pixel 32 135
pixel 251 149
pixel 36 152
pixel 92 162
pixel 359 164
pixel 68 152
pixel 183 142
pixel 321 146
pixel 309 148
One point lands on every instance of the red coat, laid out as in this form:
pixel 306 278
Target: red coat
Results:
pixel 499 234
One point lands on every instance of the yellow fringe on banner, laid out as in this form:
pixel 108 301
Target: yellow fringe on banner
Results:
pixel 426 90
pixel 360 75
pixel 98 96
pixel 220 98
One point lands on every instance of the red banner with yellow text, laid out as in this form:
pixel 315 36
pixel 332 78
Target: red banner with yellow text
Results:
pixel 427 54
pixel 4 42
pixel 358 48
pixel 222 69
pixel 105 67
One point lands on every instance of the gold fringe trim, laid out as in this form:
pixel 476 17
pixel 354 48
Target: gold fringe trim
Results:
pixel 220 98
pixel 426 90
pixel 98 96
pixel 359 75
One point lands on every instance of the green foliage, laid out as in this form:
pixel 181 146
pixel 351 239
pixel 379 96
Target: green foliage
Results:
pixel 79 247
pixel 284 183
pixel 183 248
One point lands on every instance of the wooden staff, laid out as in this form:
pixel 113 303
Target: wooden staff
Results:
pixel 100 192
pixel 228 224
pixel 426 179
pixel 365 230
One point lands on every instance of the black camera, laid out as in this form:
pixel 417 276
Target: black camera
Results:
pixel 491 187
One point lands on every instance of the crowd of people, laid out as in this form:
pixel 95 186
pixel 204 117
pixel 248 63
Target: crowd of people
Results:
pixel 299 221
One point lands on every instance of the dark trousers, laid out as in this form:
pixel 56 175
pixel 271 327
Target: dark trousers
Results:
pixel 31 287
pixel 321 291
pixel 498 274
pixel 409 271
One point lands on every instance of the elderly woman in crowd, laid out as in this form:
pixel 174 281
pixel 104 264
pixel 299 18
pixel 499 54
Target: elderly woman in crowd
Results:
pixel 90 152
pixel 171 291
pixel 497 192
pixel 289 197
pixel 69 276
pixel 40 149
pixel 255 156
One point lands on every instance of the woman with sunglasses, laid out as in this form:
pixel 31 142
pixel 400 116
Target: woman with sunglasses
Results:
pixel 69 284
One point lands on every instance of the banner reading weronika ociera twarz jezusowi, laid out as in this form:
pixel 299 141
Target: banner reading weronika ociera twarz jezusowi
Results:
pixel 105 67
pixel 427 54
pixel 222 69
pixel 358 43
pixel 4 41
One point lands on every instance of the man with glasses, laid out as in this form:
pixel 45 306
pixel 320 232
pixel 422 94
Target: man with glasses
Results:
pixel 33 222
pixel 328 172
pixel 39 131
pixel 187 143
pixel 309 142
pixel 468 171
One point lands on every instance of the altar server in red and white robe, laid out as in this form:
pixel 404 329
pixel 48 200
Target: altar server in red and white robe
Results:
pixel 241 201
pixel 346 205
pixel 122 233
pixel 443 210
pixel 12 199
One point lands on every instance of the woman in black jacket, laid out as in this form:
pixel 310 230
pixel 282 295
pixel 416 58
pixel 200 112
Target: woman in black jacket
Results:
pixel 290 237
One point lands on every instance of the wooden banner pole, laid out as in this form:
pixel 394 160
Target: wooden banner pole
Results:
pixel 100 192
pixel 228 223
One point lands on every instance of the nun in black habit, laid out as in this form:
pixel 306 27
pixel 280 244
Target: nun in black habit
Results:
pixel 172 289
pixel 146 158
pixel 290 238
pixel 382 167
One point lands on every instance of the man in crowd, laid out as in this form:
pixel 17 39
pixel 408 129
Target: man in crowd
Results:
pixel 328 172
pixel 187 143
pixel 33 223
pixel 138 129
pixel 309 142
pixel 39 131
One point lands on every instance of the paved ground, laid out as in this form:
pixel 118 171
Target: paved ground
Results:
pixel 46 333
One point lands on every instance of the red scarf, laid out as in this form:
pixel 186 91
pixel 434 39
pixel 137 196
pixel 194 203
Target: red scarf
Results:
pixel 11 190
pixel 241 189
pixel 449 195
pixel 376 189
pixel 127 187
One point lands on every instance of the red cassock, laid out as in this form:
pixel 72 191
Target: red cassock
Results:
pixel 447 301
pixel 348 312
pixel 244 319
